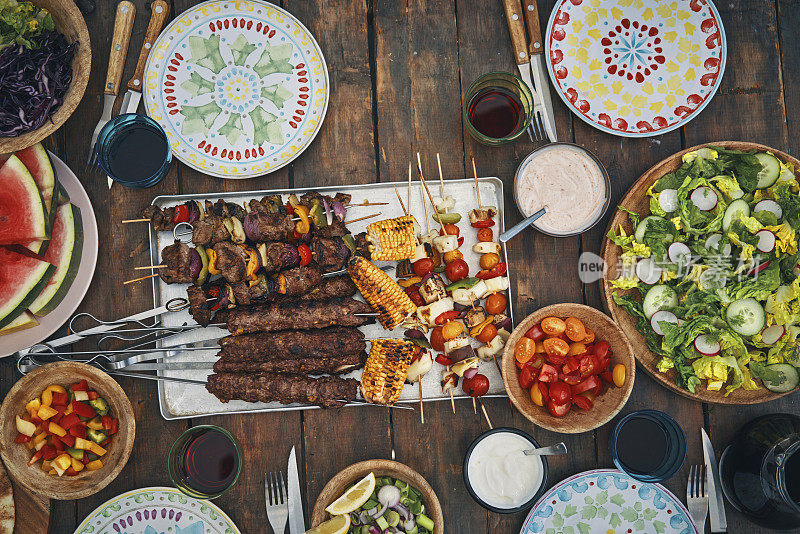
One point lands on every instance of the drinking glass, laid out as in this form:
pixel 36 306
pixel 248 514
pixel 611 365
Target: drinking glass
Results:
pixel 501 83
pixel 675 446
pixel 179 463
pixel 116 137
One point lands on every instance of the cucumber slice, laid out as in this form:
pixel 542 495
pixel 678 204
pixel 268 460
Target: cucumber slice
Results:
pixel 770 170
pixel 659 297
pixel 641 228
pixel 788 381
pixel 734 209
pixel 746 316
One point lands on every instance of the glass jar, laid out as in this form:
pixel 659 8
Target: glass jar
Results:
pixel 760 471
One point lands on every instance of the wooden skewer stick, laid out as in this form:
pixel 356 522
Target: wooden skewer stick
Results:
pixel 410 165
pixel 474 406
pixel 140 279
pixel 365 204
pixel 477 189
pixel 486 415
pixel 425 207
pixel 143 267
pixel 452 402
pixel 439 217
pixel 128 221
pixel 421 409
pixel 441 177
pixel 405 211
pixel 363 218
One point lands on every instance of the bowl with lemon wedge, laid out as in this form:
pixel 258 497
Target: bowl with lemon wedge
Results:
pixel 376 496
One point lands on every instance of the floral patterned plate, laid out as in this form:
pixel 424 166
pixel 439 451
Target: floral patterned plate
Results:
pixel 636 68
pixel 157 511
pixel 240 87
pixel 607 501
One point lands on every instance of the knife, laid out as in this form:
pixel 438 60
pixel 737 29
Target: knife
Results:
pixel 716 503
pixel 516 27
pixel 297 524
pixel 536 52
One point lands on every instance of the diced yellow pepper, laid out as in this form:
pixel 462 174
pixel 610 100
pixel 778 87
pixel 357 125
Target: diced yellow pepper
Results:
pixel 55 388
pixel 46 412
pixel 83 444
pixel 97 449
pixel 95 424
pixel 33 406
pixel 58 470
pixel 77 465
pixel 29 445
pixel 95 465
pixel 53 472
pixel 56 429
pixel 39 445
pixel 41 436
pixel 69 409
pixel 47 397
pixel 63 461
pixel 46 465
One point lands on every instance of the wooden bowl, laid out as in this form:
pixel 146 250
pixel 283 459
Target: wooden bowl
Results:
pixel 16 456
pixel 637 201
pixel 69 21
pixel 350 475
pixel 606 406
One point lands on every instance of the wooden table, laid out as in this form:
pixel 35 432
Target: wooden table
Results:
pixel 398 71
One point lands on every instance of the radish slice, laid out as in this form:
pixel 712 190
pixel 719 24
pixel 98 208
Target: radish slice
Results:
pixel 772 334
pixel 756 270
pixel 647 271
pixel 766 241
pixel 668 200
pixel 662 316
pixel 797 270
pixel 712 243
pixel 707 345
pixel 704 198
pixel 679 252
pixel 769 205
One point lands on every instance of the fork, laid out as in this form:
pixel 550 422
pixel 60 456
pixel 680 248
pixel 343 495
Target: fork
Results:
pixel 275 491
pixel 697 496
pixel 536 127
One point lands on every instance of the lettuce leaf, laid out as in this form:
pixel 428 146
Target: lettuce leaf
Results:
pixel 634 308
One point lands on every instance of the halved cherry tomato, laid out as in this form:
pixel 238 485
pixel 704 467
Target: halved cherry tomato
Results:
pixel 589 336
pixel 548 373
pixel 537 362
pixel 526 377
pixel 553 326
pixel 483 224
pixel 539 347
pixel 603 365
pixel 536 394
pixel 423 266
pixel 413 293
pixel 494 272
pixel 607 376
pixel 444 360
pixel 575 329
pixel 450 229
pixel 601 349
pixel 181 214
pixel 437 339
pixel 525 349
pixel 554 346
pixel 588 366
pixel 487 334
pixel 305 254
pixel 485 234
pixel 560 393
pixel 535 333
pixel 618 374
pixel 477 386
pixel 590 383
pixel 496 303
pixel 456 270
pixel 519 365
pixel 557 410
pixel 571 363
pixel 446 316
pixel 582 402
pixel 573 378
pixel 576 349
pixel 555 359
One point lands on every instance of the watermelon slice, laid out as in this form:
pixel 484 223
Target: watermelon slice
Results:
pixel 22 278
pixel 38 163
pixel 23 322
pixel 64 251
pixel 22 213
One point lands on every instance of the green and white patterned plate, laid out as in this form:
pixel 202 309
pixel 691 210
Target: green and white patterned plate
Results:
pixel 607 501
pixel 157 511
pixel 240 87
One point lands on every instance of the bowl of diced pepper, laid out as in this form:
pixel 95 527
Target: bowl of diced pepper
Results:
pixel 66 430
pixel 568 368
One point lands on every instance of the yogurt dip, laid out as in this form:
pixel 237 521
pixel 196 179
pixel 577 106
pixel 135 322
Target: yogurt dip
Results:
pixel 568 181
pixel 500 474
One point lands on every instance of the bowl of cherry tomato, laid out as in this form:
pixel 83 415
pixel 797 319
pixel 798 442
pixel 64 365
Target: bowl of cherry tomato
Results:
pixel 568 368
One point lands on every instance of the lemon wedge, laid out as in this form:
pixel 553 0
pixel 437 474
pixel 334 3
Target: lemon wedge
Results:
pixel 338 525
pixel 354 497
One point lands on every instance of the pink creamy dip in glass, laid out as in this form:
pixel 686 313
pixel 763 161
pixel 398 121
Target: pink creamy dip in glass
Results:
pixel 569 182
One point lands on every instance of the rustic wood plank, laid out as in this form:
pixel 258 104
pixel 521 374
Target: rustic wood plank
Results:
pixel 788 22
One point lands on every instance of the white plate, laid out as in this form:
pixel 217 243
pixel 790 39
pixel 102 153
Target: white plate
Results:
pixel 11 343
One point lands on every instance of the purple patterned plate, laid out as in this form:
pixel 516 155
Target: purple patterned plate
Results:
pixel 157 511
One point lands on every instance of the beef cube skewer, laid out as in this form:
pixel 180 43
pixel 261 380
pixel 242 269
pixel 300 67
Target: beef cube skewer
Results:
pixel 305 315
pixel 292 344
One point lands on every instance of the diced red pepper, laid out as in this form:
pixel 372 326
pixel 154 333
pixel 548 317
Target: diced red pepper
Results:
pixel 44 425
pixel 82 409
pixel 107 422
pixel 68 440
pixel 305 254
pixel 460 241
pixel 22 438
pixel 487 223
pixel 494 272
pixel 60 408
pixel 48 452
pixel 104 442
pixel 114 427
pixel 35 419
pixel 181 214
pixel 60 398
pixel 93 395
pixel 35 458
pixel 57 443
pixel 80 386
pixel 68 421
pixel 446 316
pixel 79 431
pixel 288 208
pixel 444 360
pixel 56 418
pixel 85 460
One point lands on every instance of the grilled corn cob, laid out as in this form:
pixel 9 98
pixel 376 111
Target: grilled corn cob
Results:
pixel 381 292
pixel 392 239
pixel 386 370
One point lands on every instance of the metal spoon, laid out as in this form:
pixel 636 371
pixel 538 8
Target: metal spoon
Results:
pixel 520 226
pixel 553 450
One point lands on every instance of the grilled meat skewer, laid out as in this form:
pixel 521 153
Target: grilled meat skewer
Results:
pixel 335 365
pixel 292 344
pixel 326 392
pixel 302 315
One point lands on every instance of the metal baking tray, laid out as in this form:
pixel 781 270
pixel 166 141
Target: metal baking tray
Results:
pixel 180 401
